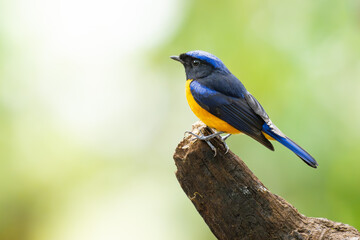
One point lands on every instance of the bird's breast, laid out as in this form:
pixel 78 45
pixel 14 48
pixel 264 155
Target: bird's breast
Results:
pixel 206 117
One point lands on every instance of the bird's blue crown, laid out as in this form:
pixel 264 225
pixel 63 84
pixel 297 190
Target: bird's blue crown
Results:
pixel 209 58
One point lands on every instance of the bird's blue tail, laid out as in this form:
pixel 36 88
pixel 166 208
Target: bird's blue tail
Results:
pixel 287 142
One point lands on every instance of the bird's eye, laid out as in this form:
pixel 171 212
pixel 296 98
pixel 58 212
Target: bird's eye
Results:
pixel 195 63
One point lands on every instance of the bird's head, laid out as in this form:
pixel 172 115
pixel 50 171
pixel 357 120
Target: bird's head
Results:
pixel 199 64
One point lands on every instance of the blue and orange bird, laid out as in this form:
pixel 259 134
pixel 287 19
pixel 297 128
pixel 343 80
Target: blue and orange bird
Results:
pixel 222 102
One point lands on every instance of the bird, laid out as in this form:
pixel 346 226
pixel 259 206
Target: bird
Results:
pixel 221 101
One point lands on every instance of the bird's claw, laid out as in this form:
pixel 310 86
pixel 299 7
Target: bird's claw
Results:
pixel 226 137
pixel 204 138
pixel 225 145
pixel 212 147
pixel 211 136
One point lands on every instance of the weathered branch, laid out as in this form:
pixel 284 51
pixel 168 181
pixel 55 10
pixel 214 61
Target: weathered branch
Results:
pixel 236 205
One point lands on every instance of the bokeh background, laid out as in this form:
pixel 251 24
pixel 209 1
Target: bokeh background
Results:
pixel 92 108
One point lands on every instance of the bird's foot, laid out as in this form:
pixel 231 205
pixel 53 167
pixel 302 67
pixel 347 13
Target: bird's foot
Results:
pixel 209 137
pixel 204 138
pixel 225 145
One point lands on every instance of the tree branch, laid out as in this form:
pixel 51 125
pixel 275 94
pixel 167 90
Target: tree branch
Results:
pixel 236 205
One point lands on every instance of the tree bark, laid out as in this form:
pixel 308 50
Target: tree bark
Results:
pixel 235 204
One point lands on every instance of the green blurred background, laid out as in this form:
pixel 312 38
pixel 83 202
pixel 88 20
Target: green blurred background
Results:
pixel 92 109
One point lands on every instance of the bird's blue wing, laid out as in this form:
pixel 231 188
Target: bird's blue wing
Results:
pixel 230 105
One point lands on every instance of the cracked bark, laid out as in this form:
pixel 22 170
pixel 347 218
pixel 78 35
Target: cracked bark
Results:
pixel 236 205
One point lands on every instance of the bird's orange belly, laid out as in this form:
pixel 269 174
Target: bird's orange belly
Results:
pixel 206 117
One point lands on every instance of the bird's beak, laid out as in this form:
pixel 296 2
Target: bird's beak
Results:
pixel 176 58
